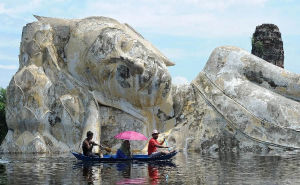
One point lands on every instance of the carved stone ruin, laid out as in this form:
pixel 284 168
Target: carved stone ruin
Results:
pixel 267 44
pixel 97 74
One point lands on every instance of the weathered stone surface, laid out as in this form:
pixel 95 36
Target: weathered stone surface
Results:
pixel 267 44
pixel 201 128
pixel 97 74
pixel 79 75
pixel 239 103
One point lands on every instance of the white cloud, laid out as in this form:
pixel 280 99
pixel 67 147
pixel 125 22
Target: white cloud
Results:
pixel 9 43
pixel 19 7
pixel 180 80
pixel 200 18
pixel 4 57
pixel 8 67
pixel 175 53
pixel 197 18
pixel 2 9
pixel 222 4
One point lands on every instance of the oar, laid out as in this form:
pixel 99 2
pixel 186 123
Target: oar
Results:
pixel 167 145
pixel 105 148
pixel 169 149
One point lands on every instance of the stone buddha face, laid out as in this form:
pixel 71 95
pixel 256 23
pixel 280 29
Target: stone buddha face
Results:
pixel 118 64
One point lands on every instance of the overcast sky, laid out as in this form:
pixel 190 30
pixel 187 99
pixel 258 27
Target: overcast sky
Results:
pixel 185 31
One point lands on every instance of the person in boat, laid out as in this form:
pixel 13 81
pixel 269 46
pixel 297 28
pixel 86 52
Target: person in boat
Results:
pixel 124 150
pixel 88 144
pixel 154 144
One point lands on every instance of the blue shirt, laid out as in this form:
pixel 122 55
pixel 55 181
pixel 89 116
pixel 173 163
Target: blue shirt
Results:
pixel 120 154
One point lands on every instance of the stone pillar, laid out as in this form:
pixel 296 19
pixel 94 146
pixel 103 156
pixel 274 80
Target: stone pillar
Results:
pixel 267 44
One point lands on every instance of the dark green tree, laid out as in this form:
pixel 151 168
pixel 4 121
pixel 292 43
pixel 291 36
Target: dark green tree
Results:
pixel 3 126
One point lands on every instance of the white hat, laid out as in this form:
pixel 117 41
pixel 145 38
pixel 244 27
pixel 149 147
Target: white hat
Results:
pixel 155 132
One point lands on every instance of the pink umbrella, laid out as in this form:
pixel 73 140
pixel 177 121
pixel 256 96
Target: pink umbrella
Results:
pixel 131 135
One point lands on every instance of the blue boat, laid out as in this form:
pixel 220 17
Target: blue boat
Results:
pixel 112 158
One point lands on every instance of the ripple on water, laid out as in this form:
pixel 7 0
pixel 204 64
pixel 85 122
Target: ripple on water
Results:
pixel 191 168
pixel 3 161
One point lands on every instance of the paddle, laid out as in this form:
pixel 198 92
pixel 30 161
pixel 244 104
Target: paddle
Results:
pixel 169 149
pixel 105 148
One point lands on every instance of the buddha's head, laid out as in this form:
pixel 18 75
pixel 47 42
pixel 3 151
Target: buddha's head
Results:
pixel 117 63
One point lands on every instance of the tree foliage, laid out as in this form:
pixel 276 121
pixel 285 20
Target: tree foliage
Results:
pixel 3 126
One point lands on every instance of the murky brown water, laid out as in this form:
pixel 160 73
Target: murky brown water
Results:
pixel 185 169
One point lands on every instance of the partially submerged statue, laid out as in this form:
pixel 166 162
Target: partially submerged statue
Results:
pixel 97 74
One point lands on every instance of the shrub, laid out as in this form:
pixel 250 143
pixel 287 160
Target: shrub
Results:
pixel 3 126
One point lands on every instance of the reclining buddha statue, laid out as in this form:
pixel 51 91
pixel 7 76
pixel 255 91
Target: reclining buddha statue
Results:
pixel 97 74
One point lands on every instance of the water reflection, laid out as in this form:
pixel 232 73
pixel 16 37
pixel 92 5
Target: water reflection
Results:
pixel 194 168
pixel 87 173
pixel 125 169
pixel 124 173
pixel 153 174
pixel 3 175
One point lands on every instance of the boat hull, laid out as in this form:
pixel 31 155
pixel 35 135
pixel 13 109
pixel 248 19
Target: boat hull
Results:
pixel 112 158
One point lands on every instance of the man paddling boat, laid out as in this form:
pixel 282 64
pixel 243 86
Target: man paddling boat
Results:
pixel 154 144
pixel 88 144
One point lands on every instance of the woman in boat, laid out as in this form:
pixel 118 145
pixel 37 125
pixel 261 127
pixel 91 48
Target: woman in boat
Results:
pixel 124 150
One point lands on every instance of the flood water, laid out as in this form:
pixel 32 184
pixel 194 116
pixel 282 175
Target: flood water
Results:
pixel 190 168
